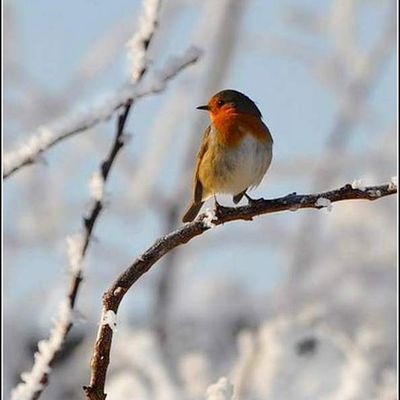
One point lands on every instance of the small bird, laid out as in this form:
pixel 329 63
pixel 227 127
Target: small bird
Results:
pixel 235 152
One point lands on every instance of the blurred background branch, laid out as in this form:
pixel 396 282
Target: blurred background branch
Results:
pixel 225 27
pixel 363 72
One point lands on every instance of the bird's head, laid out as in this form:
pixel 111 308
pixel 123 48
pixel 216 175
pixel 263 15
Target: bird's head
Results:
pixel 230 102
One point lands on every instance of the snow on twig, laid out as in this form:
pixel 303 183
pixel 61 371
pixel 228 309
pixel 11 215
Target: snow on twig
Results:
pixel 33 380
pixel 163 245
pixel 110 319
pixel 96 186
pixel 75 244
pixel 393 182
pixel 47 137
pixel 358 184
pixel 140 41
pixel 209 216
pixel 324 203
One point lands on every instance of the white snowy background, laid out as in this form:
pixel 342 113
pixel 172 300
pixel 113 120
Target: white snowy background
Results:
pixel 300 305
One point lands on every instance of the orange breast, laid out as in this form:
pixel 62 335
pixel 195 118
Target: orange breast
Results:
pixel 233 127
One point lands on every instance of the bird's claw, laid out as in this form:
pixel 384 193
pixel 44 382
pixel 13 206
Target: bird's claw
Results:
pixel 219 209
pixel 253 202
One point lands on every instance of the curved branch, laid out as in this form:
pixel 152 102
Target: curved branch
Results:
pixel 114 295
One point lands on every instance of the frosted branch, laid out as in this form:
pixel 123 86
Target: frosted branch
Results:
pixel 358 184
pixel 46 137
pixel 96 186
pixel 141 39
pixel 393 182
pixel 34 381
pixel 162 246
pixel 75 245
pixel 110 319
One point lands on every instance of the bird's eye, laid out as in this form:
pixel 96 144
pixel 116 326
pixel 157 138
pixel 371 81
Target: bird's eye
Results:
pixel 220 102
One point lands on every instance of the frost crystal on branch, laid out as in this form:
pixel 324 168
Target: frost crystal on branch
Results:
pixel 156 81
pixel 96 186
pixel 140 41
pixel 74 249
pixel 223 390
pixel 31 149
pixel 110 319
pixel 323 202
pixel 81 121
pixel 209 216
pixel 358 184
pixel 32 381
pixel 393 183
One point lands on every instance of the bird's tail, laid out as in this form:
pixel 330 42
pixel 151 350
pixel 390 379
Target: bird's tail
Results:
pixel 192 211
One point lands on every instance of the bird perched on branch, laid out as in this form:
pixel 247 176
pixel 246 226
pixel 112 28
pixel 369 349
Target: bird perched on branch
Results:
pixel 235 153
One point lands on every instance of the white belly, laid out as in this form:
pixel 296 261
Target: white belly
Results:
pixel 246 165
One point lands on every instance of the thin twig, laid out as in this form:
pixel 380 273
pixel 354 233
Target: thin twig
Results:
pixel 114 295
pixel 47 137
pixel 35 381
pixel 64 320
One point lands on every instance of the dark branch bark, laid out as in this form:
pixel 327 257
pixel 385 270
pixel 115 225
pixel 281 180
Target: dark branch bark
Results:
pixel 114 295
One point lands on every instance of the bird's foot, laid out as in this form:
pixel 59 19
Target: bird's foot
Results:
pixel 218 207
pixel 253 202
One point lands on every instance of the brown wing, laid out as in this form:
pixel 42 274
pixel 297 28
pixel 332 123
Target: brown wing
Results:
pixel 269 136
pixel 197 185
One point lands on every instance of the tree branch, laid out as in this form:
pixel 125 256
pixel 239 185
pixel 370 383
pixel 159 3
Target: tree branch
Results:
pixel 114 295
pixel 47 137
pixel 353 101
pixel 36 380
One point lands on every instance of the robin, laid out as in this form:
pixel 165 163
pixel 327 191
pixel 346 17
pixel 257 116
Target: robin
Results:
pixel 235 153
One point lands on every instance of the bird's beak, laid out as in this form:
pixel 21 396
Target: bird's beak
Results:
pixel 206 108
